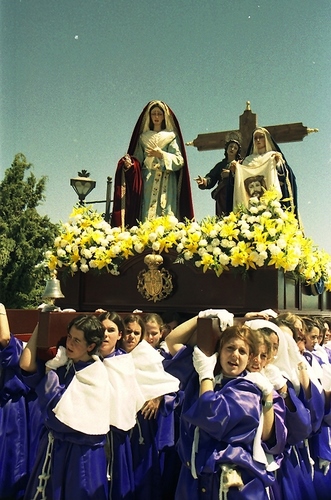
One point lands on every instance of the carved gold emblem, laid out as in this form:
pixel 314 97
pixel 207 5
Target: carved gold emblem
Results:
pixel 154 284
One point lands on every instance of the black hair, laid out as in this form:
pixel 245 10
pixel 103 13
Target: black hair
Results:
pixel 115 318
pixel 92 328
pixel 170 316
pixel 133 318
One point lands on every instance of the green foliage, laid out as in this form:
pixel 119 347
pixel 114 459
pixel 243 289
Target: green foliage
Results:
pixel 25 235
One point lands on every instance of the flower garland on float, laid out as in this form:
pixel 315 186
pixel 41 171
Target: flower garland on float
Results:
pixel 265 234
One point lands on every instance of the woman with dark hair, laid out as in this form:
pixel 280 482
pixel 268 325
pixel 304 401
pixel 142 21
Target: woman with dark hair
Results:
pixel 220 175
pixel 92 335
pixel 152 179
pixel 71 461
pixel 124 403
pixel 134 329
pixel 114 330
pixel 150 434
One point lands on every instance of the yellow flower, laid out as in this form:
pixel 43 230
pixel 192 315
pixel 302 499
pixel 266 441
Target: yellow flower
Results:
pixel 127 251
pixel 100 263
pixel 52 262
pixel 67 238
pixel 259 236
pixel 206 260
pixel 229 230
pixel 192 242
pixel 240 255
pixel 78 210
pixel 97 236
pixel 269 196
pixel 278 260
pixel 75 257
pixel 263 234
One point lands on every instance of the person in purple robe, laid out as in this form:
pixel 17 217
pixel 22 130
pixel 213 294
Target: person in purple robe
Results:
pixel 166 418
pixel 118 446
pixel 14 429
pixel 153 430
pixel 71 461
pixel 320 440
pixel 232 427
pixel 285 370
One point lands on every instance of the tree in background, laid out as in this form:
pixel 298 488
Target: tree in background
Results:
pixel 24 236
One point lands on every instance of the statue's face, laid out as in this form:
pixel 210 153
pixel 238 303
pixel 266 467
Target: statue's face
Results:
pixel 157 117
pixel 259 141
pixel 232 150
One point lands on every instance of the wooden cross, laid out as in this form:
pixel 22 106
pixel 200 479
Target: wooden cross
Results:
pixel 291 132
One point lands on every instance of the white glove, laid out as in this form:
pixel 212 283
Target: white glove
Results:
pixel 261 382
pixel 208 313
pixel 269 312
pixel 274 376
pixel 225 318
pixel 204 365
pixel 324 465
pixel 60 359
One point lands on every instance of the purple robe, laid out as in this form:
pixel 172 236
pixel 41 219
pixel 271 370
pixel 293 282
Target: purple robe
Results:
pixel 320 449
pixel 227 419
pixel 14 437
pixel 77 460
pixel 119 458
pixel 293 477
pixel 155 461
pixel 319 445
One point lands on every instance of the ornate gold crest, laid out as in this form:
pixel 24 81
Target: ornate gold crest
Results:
pixel 154 284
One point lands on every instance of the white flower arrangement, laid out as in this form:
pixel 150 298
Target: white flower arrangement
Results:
pixel 265 234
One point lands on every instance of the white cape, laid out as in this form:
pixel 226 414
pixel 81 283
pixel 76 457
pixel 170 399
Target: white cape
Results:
pixel 84 405
pixel 126 397
pixel 153 380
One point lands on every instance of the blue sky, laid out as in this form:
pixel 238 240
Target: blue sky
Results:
pixel 75 75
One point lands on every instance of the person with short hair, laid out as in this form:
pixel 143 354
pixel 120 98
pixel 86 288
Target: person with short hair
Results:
pixel 74 389
pixel 19 417
pixel 134 329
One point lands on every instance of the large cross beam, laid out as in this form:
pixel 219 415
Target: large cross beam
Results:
pixel 291 132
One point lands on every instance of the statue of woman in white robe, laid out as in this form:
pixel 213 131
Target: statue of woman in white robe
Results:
pixel 164 187
pixel 265 163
